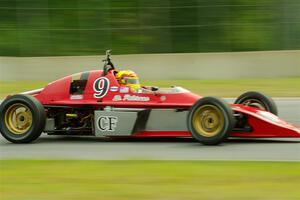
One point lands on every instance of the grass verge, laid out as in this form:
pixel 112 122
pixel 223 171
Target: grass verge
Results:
pixel 276 87
pixel 279 87
pixel 129 180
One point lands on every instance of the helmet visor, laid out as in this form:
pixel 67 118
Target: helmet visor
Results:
pixel 130 80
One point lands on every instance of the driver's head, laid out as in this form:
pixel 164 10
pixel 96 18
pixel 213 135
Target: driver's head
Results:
pixel 128 78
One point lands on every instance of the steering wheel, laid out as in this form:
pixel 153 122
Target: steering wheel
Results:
pixel 108 65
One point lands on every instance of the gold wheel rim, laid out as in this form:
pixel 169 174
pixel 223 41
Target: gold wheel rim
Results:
pixel 18 118
pixel 208 120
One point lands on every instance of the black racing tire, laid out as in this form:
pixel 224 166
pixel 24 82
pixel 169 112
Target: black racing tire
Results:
pixel 258 100
pixel 22 118
pixel 210 120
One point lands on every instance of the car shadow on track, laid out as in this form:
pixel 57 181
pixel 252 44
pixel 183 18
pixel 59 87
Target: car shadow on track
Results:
pixel 90 139
pixel 82 139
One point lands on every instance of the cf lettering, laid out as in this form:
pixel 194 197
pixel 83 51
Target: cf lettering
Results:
pixel 107 123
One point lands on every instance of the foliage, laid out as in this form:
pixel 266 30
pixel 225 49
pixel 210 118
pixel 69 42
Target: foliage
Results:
pixel 87 27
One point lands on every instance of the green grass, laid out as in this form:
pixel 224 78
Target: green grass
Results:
pixel 276 87
pixel 13 87
pixel 130 180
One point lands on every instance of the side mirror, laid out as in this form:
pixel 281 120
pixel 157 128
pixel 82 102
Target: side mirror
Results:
pixel 107 54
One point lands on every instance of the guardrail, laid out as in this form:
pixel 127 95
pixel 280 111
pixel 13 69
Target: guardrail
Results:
pixel 160 66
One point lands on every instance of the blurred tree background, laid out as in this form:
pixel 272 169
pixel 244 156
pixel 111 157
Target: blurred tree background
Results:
pixel 89 27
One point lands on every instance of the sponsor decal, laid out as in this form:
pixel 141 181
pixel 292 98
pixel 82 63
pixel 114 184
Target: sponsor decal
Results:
pixel 114 89
pixel 100 87
pixel 107 123
pixel 163 98
pixel 117 98
pixel 129 97
pixel 124 89
pixel 76 97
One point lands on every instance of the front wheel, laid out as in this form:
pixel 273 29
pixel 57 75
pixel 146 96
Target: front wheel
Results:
pixel 22 118
pixel 257 100
pixel 210 120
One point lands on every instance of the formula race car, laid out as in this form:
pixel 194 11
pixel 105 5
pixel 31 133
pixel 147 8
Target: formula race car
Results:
pixel 108 103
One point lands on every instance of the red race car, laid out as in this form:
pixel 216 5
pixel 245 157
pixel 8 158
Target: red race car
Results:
pixel 111 103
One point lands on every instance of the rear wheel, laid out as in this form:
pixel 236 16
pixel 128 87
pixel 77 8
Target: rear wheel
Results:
pixel 257 100
pixel 210 120
pixel 22 118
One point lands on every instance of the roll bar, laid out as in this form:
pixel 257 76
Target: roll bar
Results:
pixel 108 65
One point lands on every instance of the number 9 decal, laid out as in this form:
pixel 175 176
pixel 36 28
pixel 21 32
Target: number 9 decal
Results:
pixel 101 86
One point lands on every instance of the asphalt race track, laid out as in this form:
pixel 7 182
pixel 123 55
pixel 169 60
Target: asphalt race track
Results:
pixel 58 147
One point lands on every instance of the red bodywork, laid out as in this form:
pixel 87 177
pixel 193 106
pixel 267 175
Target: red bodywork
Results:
pixel 264 124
